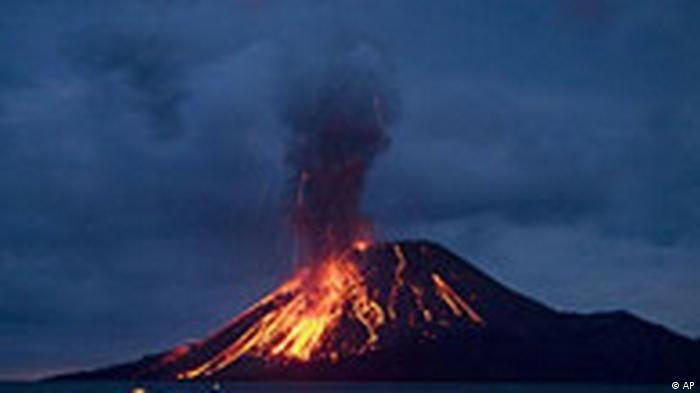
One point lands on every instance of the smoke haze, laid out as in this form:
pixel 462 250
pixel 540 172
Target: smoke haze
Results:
pixel 339 118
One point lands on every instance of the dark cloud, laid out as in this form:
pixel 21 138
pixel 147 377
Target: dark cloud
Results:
pixel 150 66
pixel 142 158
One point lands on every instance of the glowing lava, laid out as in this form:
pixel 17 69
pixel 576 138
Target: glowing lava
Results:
pixel 301 320
pixel 295 330
pixel 361 245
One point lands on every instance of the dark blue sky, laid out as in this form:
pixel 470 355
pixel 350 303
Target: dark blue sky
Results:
pixel 142 178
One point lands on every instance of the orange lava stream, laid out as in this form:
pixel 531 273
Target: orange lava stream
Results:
pixel 454 301
pixel 398 281
pixel 296 330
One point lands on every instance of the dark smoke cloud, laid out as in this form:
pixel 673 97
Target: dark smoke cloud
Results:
pixel 339 118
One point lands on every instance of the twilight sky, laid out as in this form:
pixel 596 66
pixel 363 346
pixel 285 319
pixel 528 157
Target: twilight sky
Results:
pixel 142 178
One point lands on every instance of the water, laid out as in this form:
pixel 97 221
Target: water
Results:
pixel 130 387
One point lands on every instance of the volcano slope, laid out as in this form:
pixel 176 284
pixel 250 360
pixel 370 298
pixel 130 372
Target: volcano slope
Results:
pixel 415 311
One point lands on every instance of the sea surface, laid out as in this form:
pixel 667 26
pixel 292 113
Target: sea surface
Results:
pixel 130 387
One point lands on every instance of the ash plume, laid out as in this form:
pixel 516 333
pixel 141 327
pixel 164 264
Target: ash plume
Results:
pixel 339 118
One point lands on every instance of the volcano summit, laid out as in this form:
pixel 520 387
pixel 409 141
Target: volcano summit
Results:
pixel 415 311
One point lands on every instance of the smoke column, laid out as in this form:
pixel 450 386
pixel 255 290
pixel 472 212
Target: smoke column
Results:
pixel 339 119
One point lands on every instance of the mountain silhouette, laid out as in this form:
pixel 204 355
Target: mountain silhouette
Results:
pixel 415 311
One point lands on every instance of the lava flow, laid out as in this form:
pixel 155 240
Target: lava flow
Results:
pixel 340 308
pixel 314 301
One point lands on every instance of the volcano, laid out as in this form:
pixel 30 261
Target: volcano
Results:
pixel 415 311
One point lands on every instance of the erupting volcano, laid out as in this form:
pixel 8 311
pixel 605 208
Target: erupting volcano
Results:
pixel 415 311
pixel 362 309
